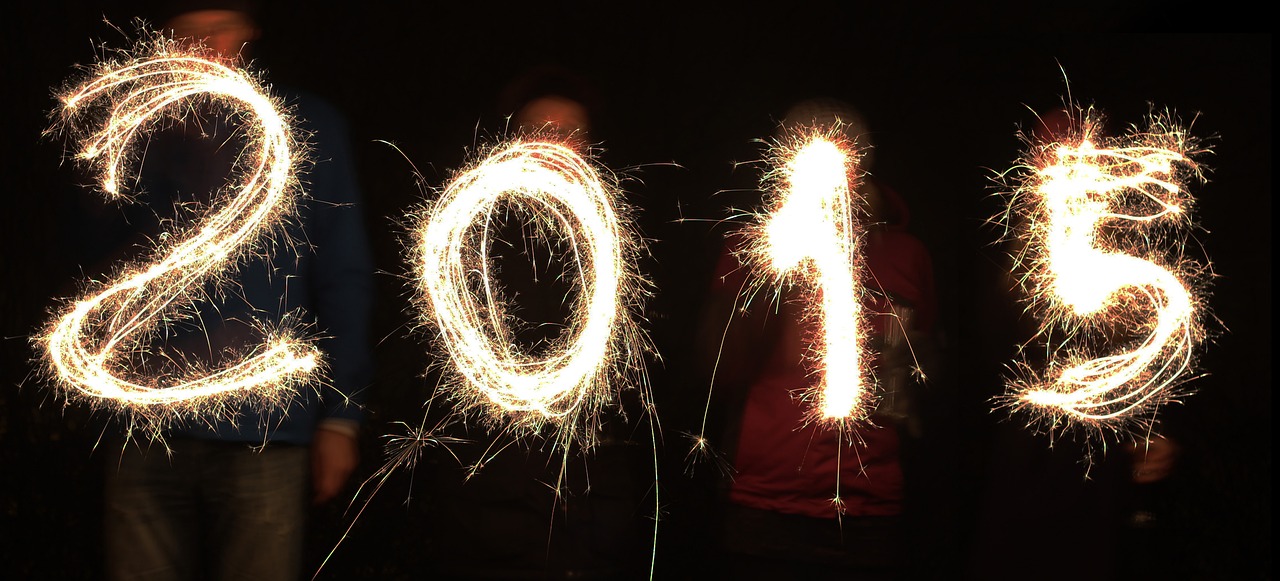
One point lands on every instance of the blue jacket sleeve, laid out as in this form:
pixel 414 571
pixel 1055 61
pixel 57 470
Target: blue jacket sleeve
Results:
pixel 341 284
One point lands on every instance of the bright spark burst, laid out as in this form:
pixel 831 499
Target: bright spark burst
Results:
pixel 810 229
pixel 1098 217
pixel 600 350
pixel 95 348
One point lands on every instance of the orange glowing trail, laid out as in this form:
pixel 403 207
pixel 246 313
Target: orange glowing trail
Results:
pixel 1094 213
pixel 92 346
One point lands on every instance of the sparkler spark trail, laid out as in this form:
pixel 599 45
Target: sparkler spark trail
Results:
pixel 599 351
pixel 1098 216
pixel 93 348
pixel 809 234
pixel 810 229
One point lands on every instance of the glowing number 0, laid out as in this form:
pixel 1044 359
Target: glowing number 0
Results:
pixel 1088 277
pixel 458 296
pixel 813 227
pixel 87 346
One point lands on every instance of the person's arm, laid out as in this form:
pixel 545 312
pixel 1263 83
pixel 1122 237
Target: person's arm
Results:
pixel 343 289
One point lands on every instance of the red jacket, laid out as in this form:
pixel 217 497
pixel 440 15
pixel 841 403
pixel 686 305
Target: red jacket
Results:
pixel 785 465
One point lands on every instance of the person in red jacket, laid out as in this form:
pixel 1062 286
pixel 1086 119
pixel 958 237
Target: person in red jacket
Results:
pixel 808 499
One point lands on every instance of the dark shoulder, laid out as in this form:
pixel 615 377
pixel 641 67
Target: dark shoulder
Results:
pixel 902 241
pixel 311 111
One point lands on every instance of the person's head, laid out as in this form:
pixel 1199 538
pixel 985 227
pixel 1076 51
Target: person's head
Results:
pixel 829 112
pixel 556 113
pixel 224 26
pixel 550 98
pixel 1053 125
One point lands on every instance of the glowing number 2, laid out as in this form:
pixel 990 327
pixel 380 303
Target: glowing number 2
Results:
pixel 89 345
pixel 1082 187
pixel 459 298
pixel 814 228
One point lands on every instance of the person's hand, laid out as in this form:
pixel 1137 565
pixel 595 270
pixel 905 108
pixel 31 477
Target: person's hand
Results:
pixel 1154 459
pixel 334 456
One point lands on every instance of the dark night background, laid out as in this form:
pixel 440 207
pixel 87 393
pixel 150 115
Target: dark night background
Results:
pixel 685 91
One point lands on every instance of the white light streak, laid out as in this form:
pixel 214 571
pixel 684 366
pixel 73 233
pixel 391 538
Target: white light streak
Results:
pixel 94 347
pixel 1099 217
pixel 810 229
pixel 598 353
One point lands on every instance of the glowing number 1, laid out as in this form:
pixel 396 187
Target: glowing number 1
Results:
pixel 92 345
pixel 459 297
pixel 1089 275
pixel 813 228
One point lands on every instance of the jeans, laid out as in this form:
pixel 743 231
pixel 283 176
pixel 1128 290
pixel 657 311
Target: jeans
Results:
pixel 212 510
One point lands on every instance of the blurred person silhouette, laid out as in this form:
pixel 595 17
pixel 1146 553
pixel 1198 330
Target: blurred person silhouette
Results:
pixel 779 519
pixel 228 498
pixel 532 510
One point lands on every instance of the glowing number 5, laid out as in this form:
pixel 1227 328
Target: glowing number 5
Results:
pixel 560 189
pixel 89 347
pixel 813 227
pixel 1088 277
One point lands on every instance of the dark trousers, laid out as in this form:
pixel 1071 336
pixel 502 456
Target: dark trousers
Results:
pixel 761 544
pixel 212 510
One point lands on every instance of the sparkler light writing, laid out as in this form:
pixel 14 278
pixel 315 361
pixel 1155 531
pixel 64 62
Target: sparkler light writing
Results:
pixel 811 228
pixel 601 346
pixel 93 347
pixel 1097 216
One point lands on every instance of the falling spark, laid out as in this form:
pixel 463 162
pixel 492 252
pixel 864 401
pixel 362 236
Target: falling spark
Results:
pixel 104 347
pixel 810 229
pixel 598 353
pixel 1097 216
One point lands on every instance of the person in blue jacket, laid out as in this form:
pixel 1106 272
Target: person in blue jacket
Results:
pixel 227 497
